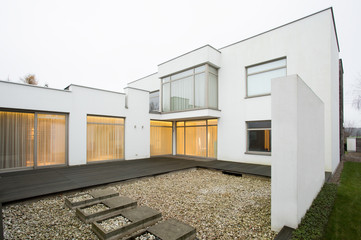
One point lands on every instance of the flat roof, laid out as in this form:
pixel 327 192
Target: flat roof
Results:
pixel 333 19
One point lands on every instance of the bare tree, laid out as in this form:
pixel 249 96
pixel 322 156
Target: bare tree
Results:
pixel 30 79
pixel 357 92
pixel 349 128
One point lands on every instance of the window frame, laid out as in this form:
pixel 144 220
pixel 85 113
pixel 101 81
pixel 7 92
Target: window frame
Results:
pixel 253 129
pixel 35 144
pixel 169 81
pixel 185 126
pixel 271 69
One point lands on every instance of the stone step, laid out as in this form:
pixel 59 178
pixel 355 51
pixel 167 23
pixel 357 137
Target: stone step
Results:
pixel 113 205
pixel 92 197
pixel 170 229
pixel 139 217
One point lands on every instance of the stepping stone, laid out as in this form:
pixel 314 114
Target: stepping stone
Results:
pixel 93 196
pixel 139 217
pixel 169 230
pixel 112 206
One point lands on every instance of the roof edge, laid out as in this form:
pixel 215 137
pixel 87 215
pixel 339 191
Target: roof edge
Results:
pixel 141 78
pixel 329 8
pixel 97 89
pixel 207 45
pixel 35 86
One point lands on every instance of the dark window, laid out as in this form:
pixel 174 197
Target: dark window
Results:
pixel 259 136
pixel 154 101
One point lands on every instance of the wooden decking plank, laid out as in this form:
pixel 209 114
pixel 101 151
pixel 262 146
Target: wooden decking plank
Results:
pixel 32 183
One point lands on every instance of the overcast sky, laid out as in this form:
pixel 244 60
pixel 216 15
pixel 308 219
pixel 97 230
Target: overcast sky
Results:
pixel 105 44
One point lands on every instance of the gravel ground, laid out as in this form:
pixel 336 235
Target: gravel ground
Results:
pixel 80 198
pixel 114 223
pixel 219 206
pixel 147 236
pixel 95 208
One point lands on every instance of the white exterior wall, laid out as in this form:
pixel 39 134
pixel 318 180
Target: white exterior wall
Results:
pixel 351 144
pixel 334 141
pixel 149 83
pixel 137 126
pixel 307 45
pixel 88 101
pixel 297 151
pixel 77 102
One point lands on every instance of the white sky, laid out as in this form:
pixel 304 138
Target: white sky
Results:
pixel 105 44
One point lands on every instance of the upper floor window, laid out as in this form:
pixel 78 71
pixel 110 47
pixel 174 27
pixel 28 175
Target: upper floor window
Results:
pixel 259 76
pixel 194 88
pixel 154 101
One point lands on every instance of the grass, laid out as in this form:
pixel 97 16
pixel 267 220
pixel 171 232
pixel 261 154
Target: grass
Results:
pixel 345 219
pixel 313 223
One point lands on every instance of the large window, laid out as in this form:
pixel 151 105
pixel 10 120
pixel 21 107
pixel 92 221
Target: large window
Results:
pixel 105 138
pixel 197 138
pixel 195 88
pixel 154 101
pixel 259 76
pixel 51 139
pixel 161 138
pixel 259 136
pixel 32 139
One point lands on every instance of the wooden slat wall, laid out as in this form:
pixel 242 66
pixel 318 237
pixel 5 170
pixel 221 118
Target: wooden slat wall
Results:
pixel 358 144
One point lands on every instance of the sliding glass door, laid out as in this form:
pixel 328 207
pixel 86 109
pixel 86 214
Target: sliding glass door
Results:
pixel 51 139
pixel 197 138
pixel 32 139
pixel 105 138
pixel 161 138
pixel 16 140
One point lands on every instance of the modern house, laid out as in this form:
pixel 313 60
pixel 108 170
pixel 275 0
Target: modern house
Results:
pixel 223 104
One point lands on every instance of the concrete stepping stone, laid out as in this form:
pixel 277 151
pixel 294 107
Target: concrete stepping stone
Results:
pixel 170 229
pixel 93 196
pixel 139 218
pixel 111 206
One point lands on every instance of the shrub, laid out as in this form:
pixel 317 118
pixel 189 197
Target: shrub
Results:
pixel 314 222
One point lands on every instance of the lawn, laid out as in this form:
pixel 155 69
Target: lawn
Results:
pixel 345 219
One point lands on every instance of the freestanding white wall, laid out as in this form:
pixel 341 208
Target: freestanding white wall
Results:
pixel 297 150
pixel 351 144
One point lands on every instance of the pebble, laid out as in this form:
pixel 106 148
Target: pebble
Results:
pixel 95 208
pixel 114 223
pixel 147 236
pixel 80 198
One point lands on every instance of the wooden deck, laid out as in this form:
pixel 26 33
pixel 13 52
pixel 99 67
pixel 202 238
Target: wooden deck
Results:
pixel 21 185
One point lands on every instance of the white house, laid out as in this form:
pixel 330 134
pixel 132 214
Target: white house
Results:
pixel 233 84
pixel 271 99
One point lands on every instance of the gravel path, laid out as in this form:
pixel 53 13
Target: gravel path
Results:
pixel 219 206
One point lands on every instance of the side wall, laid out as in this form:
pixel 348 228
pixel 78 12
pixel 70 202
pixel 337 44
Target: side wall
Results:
pixel 311 51
pixel 298 150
